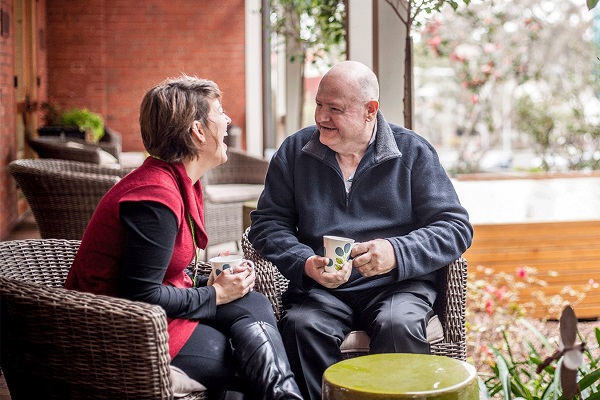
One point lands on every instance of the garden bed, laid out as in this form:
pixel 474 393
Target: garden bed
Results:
pixel 485 333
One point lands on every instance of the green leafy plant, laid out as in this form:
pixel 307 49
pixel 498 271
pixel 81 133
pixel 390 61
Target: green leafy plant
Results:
pixel 515 377
pixel 86 121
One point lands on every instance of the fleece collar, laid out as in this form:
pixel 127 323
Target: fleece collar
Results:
pixel 385 143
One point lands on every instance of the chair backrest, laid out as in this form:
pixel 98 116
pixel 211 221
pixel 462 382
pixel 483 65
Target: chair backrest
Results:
pixel 64 344
pixel 239 168
pixel 111 142
pixel 450 305
pixel 74 150
pixel 62 194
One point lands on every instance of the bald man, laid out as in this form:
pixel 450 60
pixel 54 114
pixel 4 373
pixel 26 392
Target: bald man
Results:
pixel 356 175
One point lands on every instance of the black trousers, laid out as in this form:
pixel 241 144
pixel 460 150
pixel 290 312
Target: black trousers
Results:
pixel 316 322
pixel 207 356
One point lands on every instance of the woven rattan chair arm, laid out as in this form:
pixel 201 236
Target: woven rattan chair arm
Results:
pixel 455 329
pixel 269 280
pixel 99 344
pixel 42 261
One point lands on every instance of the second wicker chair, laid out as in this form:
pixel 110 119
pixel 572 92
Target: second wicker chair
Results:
pixel 63 194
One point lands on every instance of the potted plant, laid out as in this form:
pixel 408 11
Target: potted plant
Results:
pixel 77 123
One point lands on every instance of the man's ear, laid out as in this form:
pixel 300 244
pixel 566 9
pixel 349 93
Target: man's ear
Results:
pixel 372 108
pixel 198 132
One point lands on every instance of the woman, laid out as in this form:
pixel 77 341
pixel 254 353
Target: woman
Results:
pixel 146 231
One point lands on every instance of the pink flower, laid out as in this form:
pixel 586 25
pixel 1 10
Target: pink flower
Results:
pixel 489 307
pixel 434 41
pixel 486 350
pixel 456 57
pixel 489 47
pixel 487 68
pixel 521 272
pixel 474 99
pixel 500 292
pixel 433 27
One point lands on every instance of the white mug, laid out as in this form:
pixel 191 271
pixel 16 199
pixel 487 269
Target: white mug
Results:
pixel 337 249
pixel 223 263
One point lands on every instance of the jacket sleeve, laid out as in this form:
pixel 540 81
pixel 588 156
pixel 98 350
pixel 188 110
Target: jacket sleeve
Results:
pixel 443 231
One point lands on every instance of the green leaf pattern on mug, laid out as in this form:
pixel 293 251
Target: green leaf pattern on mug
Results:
pixel 343 254
pixel 225 266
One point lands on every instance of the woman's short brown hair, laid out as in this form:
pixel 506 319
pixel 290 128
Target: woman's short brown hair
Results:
pixel 167 113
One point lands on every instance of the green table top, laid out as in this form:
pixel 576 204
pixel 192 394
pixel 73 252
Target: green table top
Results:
pixel 401 376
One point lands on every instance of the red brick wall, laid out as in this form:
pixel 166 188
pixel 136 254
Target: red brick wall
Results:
pixel 8 197
pixel 104 54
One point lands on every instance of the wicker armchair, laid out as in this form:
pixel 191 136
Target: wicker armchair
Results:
pixel 449 308
pixel 226 188
pixel 63 194
pixel 64 344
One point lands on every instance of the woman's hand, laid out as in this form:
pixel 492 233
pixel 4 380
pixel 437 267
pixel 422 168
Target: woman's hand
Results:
pixel 234 283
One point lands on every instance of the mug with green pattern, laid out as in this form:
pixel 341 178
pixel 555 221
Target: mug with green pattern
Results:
pixel 337 249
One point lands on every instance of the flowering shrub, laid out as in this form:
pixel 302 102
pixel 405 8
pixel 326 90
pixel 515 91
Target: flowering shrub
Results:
pixel 502 57
pixel 495 324
pixel 493 305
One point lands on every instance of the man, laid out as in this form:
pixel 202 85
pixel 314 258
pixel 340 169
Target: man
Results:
pixel 356 175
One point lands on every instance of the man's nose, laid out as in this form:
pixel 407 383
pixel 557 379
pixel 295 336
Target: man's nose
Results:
pixel 321 115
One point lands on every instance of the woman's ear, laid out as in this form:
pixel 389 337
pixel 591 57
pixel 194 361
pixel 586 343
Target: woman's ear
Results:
pixel 197 131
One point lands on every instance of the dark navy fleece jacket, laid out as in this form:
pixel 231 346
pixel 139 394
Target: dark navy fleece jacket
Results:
pixel 400 192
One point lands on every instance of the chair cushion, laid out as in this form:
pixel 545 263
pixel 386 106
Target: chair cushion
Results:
pixel 232 193
pixel 104 157
pixel 359 341
pixel 182 384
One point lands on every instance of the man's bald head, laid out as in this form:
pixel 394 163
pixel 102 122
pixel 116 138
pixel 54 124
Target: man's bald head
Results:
pixel 353 74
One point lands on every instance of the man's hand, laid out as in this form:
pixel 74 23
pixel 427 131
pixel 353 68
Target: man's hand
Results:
pixel 374 257
pixel 315 268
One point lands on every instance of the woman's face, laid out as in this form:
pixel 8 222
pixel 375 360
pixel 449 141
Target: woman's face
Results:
pixel 217 130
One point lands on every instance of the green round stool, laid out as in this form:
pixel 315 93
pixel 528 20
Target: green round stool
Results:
pixel 400 376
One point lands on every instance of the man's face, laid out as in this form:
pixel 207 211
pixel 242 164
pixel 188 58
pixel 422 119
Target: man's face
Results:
pixel 340 117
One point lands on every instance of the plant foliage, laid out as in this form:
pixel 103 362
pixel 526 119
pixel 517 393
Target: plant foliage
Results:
pixel 516 378
pixel 317 26
pixel 82 118
pixel 85 120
